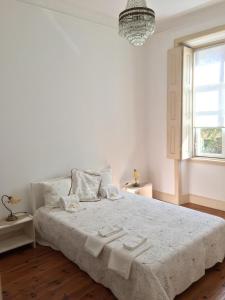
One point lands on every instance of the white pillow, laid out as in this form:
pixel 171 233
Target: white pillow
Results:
pixel 106 176
pixel 55 189
pixel 85 185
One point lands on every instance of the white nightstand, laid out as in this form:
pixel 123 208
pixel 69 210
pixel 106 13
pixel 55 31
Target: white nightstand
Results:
pixel 17 233
pixel 144 189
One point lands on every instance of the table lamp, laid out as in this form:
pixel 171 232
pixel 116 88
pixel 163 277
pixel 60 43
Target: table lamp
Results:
pixel 10 200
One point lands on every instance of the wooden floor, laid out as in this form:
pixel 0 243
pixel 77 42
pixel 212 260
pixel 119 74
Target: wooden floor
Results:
pixel 42 273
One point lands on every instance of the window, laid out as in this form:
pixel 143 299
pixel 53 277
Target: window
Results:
pixel 196 96
pixel 209 102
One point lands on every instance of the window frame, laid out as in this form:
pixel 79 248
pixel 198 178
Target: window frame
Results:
pixel 180 139
pixel 198 154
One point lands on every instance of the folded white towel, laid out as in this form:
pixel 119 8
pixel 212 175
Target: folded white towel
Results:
pixel 121 259
pixel 95 244
pixel 111 192
pixel 69 203
pixel 109 230
pixel 133 242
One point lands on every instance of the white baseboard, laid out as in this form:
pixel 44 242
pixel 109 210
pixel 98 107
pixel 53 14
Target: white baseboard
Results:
pixel 184 199
pixel 208 202
pixel 195 199
pixel 164 197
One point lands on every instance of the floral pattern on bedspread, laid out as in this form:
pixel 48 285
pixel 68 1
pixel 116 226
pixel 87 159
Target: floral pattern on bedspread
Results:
pixel 184 243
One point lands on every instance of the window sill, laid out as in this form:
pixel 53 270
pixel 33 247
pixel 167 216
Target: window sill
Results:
pixel 206 160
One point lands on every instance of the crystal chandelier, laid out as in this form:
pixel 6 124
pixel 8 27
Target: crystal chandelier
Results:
pixel 137 22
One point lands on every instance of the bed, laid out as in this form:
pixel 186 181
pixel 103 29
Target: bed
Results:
pixel 184 243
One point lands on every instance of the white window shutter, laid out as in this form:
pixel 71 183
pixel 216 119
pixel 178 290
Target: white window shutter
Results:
pixel 174 102
pixel 187 104
pixel 179 103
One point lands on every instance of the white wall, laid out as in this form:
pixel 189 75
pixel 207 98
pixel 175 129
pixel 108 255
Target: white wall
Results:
pixel 204 180
pixel 69 97
pixel 207 181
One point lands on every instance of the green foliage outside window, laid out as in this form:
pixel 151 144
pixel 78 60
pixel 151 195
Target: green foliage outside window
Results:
pixel 211 140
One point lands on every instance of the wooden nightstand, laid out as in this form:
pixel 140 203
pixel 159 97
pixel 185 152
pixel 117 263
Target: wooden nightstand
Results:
pixel 17 233
pixel 143 190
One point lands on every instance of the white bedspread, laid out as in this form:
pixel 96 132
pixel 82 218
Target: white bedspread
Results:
pixel 183 244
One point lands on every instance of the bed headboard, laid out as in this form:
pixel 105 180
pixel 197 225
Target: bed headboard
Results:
pixel 37 191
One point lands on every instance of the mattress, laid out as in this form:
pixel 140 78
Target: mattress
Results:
pixel 184 243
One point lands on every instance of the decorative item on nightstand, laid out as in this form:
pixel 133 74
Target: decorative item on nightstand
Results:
pixel 136 177
pixel 11 200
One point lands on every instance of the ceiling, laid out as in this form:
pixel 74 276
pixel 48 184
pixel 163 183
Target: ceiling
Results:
pixel 165 9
